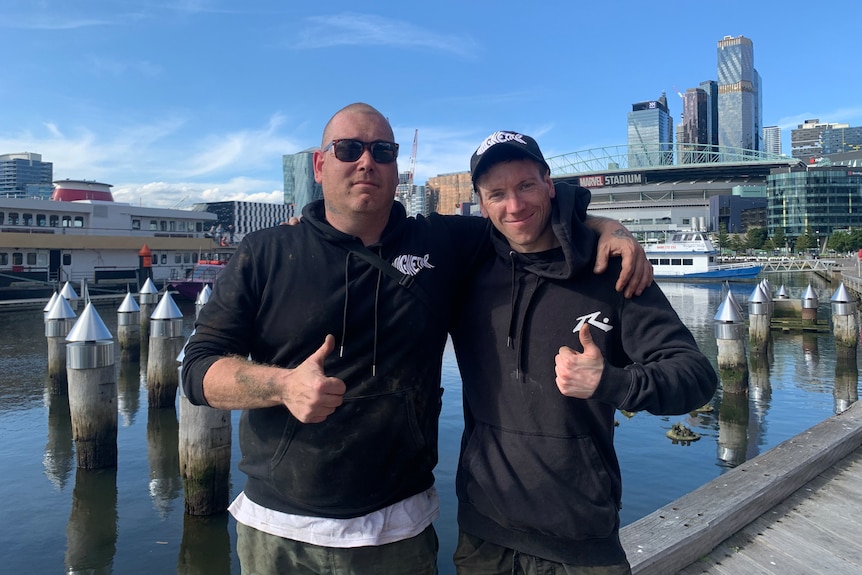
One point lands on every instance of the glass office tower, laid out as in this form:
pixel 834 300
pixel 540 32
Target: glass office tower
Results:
pixel 739 85
pixel 299 185
pixel 650 134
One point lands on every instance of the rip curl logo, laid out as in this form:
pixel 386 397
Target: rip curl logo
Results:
pixel 499 138
pixel 411 265
pixel 593 320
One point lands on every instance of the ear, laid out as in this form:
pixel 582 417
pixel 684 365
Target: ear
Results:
pixel 482 207
pixel 552 192
pixel 317 162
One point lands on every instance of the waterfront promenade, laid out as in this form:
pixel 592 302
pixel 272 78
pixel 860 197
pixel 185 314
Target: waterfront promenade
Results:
pixel 795 509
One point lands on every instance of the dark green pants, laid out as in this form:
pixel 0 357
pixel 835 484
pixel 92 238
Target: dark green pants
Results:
pixel 264 554
pixel 475 556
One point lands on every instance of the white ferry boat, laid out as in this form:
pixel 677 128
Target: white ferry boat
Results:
pixel 81 233
pixel 692 256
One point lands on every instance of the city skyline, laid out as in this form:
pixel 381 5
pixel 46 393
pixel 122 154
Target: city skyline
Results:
pixel 199 100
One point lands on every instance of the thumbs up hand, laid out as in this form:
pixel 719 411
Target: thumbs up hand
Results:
pixel 579 373
pixel 310 395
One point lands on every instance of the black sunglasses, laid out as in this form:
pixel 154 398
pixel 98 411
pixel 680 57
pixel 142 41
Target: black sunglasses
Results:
pixel 349 150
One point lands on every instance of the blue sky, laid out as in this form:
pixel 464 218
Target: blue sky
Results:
pixel 197 100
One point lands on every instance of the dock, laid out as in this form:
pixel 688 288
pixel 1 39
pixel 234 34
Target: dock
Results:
pixel 795 509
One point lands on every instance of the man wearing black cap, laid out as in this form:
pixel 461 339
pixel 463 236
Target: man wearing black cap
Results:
pixel 538 481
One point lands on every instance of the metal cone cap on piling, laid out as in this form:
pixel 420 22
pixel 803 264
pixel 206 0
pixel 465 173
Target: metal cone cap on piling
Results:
pixel 728 323
pixel 149 287
pixel 842 302
pixel 50 303
pixel 60 310
pixel 129 305
pixel 841 295
pixel 69 292
pixel 167 309
pixel 727 311
pixel 89 327
pixel 204 295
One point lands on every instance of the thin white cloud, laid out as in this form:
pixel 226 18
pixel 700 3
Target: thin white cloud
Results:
pixel 352 29
pixel 50 22
pixel 102 66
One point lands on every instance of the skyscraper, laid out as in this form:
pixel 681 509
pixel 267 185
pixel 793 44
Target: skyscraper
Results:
pixel 299 185
pixel 692 134
pixel 739 102
pixel 650 134
pixel 710 87
pixel 26 175
pixel 772 140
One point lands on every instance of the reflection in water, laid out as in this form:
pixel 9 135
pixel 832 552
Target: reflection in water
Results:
pixel 846 390
pixel 91 534
pixel 164 459
pixel 59 459
pixel 205 548
pixel 760 395
pixel 733 428
pixel 129 392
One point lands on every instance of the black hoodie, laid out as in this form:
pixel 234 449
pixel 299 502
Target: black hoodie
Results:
pixel 538 472
pixel 282 292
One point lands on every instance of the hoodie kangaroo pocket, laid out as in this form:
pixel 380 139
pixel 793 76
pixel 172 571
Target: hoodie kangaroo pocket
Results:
pixel 553 485
pixel 369 449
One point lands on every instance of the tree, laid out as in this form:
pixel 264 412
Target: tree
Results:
pixel 755 237
pixel 804 242
pixel 840 242
pixel 722 236
pixel 779 239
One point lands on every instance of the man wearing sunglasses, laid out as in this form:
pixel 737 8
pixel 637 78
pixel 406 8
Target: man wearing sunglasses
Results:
pixel 538 479
pixel 329 336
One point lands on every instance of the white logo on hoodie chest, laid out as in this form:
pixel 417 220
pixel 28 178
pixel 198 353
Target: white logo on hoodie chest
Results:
pixel 411 265
pixel 593 320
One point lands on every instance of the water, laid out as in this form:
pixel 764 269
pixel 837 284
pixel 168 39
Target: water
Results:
pixel 131 520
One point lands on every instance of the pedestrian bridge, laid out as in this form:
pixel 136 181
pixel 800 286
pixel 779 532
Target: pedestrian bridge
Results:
pixel 799 265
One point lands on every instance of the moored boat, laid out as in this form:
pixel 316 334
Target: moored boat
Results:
pixel 204 273
pixel 82 234
pixel 691 255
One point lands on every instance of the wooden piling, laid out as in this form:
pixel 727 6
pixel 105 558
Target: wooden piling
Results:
pixel 729 337
pixel 92 391
pixel 58 322
pixel 129 328
pixel 759 318
pixel 166 343
pixel 93 404
pixel 205 446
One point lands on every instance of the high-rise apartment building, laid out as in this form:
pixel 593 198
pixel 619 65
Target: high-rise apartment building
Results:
pixel 710 87
pixel 739 100
pixel 26 175
pixel 299 185
pixel 772 140
pixel 814 139
pixel 412 196
pixel 840 140
pixel 692 133
pixel 650 134
pixel 447 192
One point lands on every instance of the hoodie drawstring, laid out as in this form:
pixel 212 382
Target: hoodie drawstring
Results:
pixel 376 313
pixel 344 313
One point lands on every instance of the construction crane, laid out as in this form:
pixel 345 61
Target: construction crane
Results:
pixel 412 163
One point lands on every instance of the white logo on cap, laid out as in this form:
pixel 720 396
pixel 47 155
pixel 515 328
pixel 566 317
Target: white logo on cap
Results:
pixel 499 138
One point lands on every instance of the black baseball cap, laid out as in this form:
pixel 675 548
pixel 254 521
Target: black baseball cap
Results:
pixel 504 146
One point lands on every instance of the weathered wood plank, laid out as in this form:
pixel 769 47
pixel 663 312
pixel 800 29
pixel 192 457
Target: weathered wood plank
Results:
pixel 679 533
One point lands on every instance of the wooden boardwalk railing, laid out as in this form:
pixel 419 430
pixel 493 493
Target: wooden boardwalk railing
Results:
pixel 686 531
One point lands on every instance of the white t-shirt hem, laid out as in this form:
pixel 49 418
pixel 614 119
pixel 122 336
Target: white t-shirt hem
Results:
pixel 402 520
